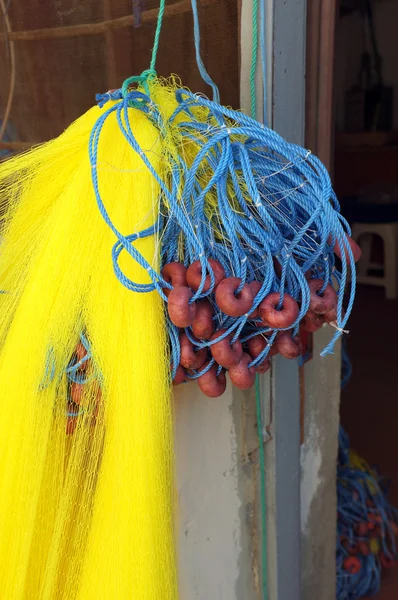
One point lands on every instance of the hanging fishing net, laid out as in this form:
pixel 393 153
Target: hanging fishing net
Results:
pixel 367 526
pixel 161 238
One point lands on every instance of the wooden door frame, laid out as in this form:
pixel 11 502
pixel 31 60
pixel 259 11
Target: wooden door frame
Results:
pixel 319 105
pixel 300 482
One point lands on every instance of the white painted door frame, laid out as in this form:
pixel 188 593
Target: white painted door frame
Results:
pixel 216 440
pixel 301 482
pixel 285 37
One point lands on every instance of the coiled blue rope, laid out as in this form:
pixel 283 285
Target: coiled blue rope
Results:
pixel 274 203
pixel 361 502
pixel 247 199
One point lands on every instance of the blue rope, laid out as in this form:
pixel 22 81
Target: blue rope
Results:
pixel 202 69
pixel 361 503
pixel 274 201
pixel 74 373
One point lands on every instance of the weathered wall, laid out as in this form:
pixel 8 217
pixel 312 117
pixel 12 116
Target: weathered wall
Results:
pixel 217 495
pixel 218 487
pixel 318 472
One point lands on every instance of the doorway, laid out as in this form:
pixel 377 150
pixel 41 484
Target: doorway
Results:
pixel 352 124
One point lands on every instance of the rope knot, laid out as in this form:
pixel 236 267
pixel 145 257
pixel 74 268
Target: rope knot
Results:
pixel 139 81
pixel 111 95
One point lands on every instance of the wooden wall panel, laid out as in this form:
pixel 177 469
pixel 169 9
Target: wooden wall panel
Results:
pixel 68 50
pixel 321 19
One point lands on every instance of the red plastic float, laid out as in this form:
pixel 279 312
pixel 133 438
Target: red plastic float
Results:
pixel 181 312
pixel 191 358
pixel 321 303
pixel 277 318
pixel 225 353
pixel 288 346
pixel 180 375
pixel 243 376
pixel 176 274
pixel 231 303
pixel 194 274
pixel 203 325
pixel 211 384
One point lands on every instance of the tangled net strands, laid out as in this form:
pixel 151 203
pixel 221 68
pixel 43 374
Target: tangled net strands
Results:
pixel 248 227
pixel 86 461
pixel 367 526
pixel 222 237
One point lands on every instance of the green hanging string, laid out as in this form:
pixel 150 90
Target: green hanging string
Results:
pixel 254 58
pixel 260 432
pixel 263 492
pixel 157 35
pixel 142 80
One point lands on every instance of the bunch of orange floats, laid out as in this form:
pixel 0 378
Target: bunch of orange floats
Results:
pixel 84 389
pixel 210 339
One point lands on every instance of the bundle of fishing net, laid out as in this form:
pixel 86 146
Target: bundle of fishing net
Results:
pixel 367 526
pixel 162 237
pixel 249 229
pixel 86 461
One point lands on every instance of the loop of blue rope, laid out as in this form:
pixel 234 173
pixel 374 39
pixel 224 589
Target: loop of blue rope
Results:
pixel 139 81
pixel 274 203
pixel 74 372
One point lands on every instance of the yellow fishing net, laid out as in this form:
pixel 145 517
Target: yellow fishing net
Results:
pixel 86 505
pixel 86 469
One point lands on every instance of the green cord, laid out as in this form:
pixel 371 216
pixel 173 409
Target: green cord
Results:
pixel 254 59
pixel 258 395
pixel 263 494
pixel 157 35
pixel 142 80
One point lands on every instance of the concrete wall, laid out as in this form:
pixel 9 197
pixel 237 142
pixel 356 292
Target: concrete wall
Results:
pixel 217 476
pixel 218 487
pixel 318 471
pixel 217 467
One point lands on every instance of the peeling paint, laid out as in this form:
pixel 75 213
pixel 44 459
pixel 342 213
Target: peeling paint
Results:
pixel 311 462
pixel 318 472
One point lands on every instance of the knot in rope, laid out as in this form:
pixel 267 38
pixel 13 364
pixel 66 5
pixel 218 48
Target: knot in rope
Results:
pixel 110 96
pixel 138 81
pixel 235 192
